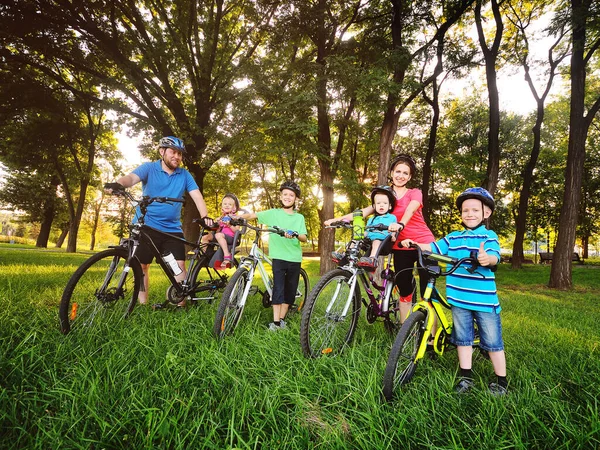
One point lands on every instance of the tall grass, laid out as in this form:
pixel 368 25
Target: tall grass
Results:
pixel 161 380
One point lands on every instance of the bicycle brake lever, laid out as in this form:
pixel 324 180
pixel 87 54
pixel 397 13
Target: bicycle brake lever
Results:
pixel 474 262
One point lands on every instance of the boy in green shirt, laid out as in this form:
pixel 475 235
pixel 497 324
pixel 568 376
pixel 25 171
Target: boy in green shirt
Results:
pixel 284 251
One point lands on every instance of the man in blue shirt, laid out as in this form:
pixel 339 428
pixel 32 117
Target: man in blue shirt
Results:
pixel 164 178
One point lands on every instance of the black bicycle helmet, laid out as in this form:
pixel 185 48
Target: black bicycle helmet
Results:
pixel 172 142
pixel 480 194
pixel 386 190
pixel 235 200
pixel 405 159
pixel 292 186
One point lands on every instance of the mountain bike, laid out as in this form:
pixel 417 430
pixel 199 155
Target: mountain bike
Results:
pixel 411 342
pixel 332 309
pixel 242 285
pixel 106 286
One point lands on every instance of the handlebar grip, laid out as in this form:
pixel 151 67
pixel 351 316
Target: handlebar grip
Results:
pixel 114 187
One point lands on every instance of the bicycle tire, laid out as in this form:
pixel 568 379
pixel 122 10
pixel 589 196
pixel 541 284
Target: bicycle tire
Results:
pixel 301 293
pixel 91 293
pixel 325 332
pixel 402 363
pixel 232 303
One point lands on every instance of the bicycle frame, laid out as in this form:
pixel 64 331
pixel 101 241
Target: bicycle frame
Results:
pixel 379 308
pixel 253 261
pixel 139 233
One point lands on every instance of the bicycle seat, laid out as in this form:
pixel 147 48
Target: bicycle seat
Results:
pixel 385 248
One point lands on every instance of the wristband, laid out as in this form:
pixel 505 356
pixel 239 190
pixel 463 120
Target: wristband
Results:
pixel 401 226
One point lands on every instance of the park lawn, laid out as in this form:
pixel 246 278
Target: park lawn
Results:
pixel 161 380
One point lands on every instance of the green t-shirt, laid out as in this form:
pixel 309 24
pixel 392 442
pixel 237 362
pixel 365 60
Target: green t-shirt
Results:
pixel 280 247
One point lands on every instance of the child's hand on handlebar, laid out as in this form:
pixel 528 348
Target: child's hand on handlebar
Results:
pixel 290 234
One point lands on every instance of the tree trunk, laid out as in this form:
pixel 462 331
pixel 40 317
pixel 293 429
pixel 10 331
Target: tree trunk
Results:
pixel 76 219
pixel 521 220
pixel 435 120
pixel 490 55
pixel 46 225
pixel 96 220
pixel 561 272
pixel 63 234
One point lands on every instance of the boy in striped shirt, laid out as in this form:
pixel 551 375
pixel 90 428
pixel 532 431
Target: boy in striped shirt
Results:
pixel 473 296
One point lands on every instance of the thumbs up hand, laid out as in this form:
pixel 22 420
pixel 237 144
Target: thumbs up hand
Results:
pixel 485 259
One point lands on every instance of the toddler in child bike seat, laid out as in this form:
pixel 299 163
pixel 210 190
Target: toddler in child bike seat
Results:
pixel 383 201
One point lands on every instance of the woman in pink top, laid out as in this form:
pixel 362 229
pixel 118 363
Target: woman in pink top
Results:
pixel 410 225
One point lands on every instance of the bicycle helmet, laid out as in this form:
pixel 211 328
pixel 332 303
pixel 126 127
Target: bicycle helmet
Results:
pixel 480 194
pixel 405 159
pixel 292 186
pixel 172 142
pixel 234 198
pixel 386 190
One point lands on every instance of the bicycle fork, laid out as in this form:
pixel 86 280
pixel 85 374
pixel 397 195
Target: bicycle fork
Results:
pixel 431 309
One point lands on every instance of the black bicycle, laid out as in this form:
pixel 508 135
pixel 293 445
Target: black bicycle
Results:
pixel 106 286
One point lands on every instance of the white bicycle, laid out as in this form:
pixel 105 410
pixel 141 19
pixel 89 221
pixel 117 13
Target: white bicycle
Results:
pixel 241 284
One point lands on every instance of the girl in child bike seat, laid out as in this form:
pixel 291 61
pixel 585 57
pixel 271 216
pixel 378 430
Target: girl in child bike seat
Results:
pixel 224 235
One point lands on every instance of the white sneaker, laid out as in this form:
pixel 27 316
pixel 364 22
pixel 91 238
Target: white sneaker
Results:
pixel 273 327
pixel 282 324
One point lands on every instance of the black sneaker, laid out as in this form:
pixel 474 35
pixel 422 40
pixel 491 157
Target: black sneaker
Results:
pixel 497 390
pixel 464 386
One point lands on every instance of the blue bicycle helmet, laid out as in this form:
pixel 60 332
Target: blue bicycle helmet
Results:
pixel 386 190
pixel 480 194
pixel 172 142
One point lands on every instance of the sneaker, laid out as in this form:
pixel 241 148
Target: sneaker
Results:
pixel 497 390
pixel 273 327
pixel 367 262
pixel 464 385
pixel 336 257
pixel 282 324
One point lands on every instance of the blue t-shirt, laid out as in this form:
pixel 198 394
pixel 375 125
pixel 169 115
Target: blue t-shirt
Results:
pixel 470 290
pixel 158 183
pixel 385 219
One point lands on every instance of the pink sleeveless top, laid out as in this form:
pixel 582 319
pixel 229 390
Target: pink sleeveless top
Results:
pixel 416 228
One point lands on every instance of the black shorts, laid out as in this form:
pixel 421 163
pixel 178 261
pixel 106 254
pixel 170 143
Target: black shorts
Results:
pixel 164 244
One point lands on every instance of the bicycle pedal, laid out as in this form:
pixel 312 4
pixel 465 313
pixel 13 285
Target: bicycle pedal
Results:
pixel 157 306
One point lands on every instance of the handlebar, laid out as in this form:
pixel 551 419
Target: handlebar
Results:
pixel 119 190
pixel 454 262
pixel 273 229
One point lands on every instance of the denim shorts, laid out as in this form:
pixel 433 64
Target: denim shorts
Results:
pixel 488 323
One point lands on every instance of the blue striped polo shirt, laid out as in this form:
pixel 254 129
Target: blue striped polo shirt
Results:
pixel 463 289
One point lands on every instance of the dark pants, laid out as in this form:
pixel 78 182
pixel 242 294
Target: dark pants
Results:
pixel 286 275
pixel 404 262
pixel 164 244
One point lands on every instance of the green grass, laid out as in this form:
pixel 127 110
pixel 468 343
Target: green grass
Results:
pixel 161 380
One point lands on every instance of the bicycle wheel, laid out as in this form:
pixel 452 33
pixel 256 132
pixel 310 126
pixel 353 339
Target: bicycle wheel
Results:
pixel 401 363
pixel 324 329
pixel 301 293
pixel 392 321
pixel 100 290
pixel 232 303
